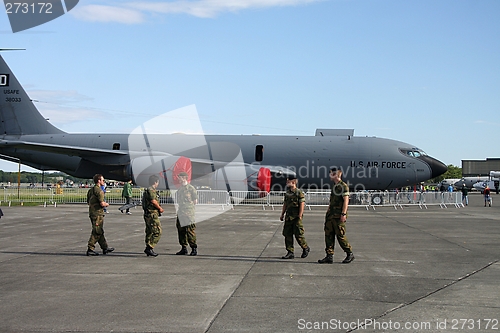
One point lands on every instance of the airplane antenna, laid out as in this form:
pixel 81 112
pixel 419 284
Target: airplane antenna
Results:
pixel 1 50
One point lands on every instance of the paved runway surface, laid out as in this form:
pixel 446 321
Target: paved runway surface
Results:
pixel 434 270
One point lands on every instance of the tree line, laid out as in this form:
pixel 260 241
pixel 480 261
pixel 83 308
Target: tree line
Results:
pixel 38 178
pixel 453 172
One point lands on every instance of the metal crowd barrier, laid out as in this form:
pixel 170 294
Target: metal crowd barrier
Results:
pixel 397 200
pixel 254 198
pixel 210 198
pixel 63 195
pixel 366 199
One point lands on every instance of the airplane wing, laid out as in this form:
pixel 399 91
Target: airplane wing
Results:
pixel 60 149
pixel 96 155
pixel 91 153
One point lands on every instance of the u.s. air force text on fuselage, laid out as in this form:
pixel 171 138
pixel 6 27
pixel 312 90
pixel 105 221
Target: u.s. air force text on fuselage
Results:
pixel 379 164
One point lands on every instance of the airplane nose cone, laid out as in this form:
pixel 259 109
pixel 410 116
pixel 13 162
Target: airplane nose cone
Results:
pixel 437 167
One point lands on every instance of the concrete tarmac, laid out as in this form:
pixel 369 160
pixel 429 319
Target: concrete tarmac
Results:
pixel 416 270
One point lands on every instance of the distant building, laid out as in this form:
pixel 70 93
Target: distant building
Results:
pixel 471 168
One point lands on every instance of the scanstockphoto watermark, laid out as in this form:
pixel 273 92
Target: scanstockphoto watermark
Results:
pixel 454 324
pixel 365 324
pixel 26 14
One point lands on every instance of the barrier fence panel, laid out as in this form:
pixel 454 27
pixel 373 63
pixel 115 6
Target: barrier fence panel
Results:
pixel 421 199
pixel 366 199
pixel 320 198
pixel 13 194
pixel 214 198
pixel 69 195
pixel 254 198
pixel 276 199
pixel 372 199
pixel 361 199
pixel 237 197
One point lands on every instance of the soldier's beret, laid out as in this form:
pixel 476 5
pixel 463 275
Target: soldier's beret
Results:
pixel 291 177
pixel 182 174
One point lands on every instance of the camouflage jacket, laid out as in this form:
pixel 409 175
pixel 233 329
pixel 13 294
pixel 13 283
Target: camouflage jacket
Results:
pixel 339 191
pixel 94 198
pixel 186 197
pixel 292 200
pixel 149 195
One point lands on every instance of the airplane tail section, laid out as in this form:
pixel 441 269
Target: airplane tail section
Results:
pixel 18 114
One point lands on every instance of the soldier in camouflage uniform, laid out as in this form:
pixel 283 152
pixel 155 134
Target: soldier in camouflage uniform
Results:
pixel 187 198
pixel 152 211
pixel 95 200
pixel 293 207
pixel 335 219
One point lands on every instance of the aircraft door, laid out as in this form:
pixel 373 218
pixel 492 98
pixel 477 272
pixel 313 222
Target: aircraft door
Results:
pixel 412 173
pixel 259 153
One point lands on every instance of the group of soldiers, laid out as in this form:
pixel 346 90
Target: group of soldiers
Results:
pixel 335 219
pixel 291 214
pixel 186 198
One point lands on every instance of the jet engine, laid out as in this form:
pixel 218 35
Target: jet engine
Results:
pixel 166 168
pixel 241 178
pixel 211 174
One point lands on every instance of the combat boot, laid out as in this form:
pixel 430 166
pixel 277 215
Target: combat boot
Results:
pixel 183 251
pixel 289 255
pixel 194 251
pixel 348 258
pixel 108 250
pixel 149 251
pixel 327 260
pixel 305 252
pixel 92 253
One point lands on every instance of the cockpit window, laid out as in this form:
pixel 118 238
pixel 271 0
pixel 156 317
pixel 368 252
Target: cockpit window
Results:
pixel 413 152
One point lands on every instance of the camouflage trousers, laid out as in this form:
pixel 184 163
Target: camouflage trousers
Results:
pixel 186 234
pixel 293 227
pixel 97 234
pixel 335 229
pixel 153 229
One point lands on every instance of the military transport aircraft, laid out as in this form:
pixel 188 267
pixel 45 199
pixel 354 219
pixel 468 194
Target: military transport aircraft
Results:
pixel 227 162
pixel 470 181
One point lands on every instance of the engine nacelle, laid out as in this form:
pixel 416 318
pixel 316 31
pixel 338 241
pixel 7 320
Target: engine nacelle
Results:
pixel 166 168
pixel 241 178
pixel 246 177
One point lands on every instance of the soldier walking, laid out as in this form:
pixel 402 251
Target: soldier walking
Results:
pixel 95 200
pixel 335 219
pixel 293 208
pixel 127 194
pixel 152 211
pixel 187 198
